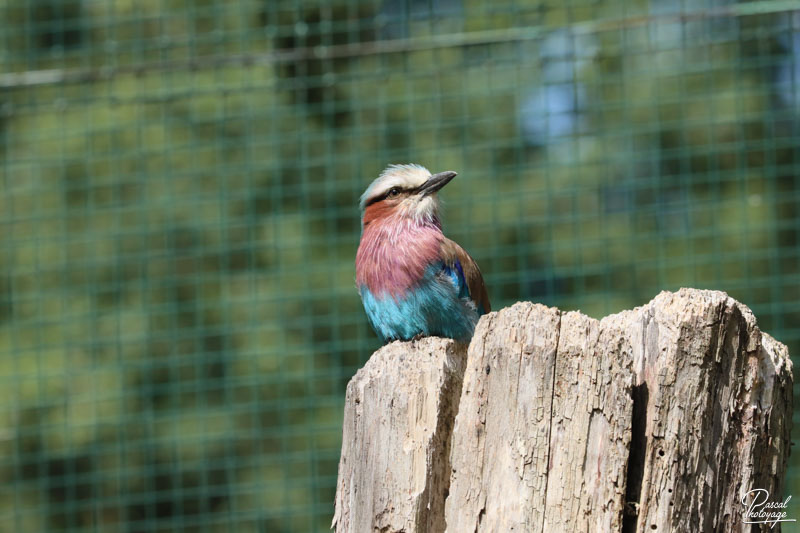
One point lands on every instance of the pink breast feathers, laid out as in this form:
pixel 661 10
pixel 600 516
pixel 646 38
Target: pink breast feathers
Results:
pixel 394 254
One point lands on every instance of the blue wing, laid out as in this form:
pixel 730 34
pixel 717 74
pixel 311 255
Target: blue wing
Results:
pixel 456 274
pixel 465 274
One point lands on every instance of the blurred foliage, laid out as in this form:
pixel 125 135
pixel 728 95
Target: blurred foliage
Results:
pixel 178 316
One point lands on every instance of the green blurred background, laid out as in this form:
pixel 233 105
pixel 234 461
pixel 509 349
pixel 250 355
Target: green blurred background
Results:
pixel 178 218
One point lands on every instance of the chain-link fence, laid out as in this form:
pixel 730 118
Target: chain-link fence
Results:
pixel 178 315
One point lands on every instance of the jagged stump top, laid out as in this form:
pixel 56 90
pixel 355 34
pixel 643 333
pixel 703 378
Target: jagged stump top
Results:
pixel 658 418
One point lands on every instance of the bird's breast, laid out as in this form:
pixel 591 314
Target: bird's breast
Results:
pixel 392 260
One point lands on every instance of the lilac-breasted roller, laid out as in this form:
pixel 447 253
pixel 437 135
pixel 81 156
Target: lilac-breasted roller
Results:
pixel 414 281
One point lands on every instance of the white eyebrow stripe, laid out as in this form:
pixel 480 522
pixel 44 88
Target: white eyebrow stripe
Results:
pixel 408 176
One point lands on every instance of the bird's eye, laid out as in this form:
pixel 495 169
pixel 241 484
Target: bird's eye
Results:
pixel 394 191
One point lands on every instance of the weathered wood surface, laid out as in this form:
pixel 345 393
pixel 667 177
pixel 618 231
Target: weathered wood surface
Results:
pixel 394 469
pixel 717 395
pixel 661 418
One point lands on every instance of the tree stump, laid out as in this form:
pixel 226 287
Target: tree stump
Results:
pixel 662 418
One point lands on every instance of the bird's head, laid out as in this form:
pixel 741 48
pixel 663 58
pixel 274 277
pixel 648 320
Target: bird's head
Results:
pixel 404 191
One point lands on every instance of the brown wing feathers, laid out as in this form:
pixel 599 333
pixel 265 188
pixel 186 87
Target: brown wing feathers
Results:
pixel 452 252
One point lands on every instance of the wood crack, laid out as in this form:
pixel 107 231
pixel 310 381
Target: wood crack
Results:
pixel 552 402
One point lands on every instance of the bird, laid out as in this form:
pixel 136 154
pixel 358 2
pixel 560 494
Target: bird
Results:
pixel 413 281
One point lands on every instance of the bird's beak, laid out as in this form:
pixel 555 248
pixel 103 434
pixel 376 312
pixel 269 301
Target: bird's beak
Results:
pixel 436 182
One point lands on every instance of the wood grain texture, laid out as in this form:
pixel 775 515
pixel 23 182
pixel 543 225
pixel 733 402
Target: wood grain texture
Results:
pixel 500 441
pixel 660 418
pixel 398 419
pixel 718 410
pixel 541 441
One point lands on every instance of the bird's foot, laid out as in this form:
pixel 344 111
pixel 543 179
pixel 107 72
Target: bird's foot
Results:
pixel 417 337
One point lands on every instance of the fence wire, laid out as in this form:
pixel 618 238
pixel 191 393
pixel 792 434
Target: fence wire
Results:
pixel 178 316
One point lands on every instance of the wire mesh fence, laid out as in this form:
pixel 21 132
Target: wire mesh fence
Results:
pixel 178 316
